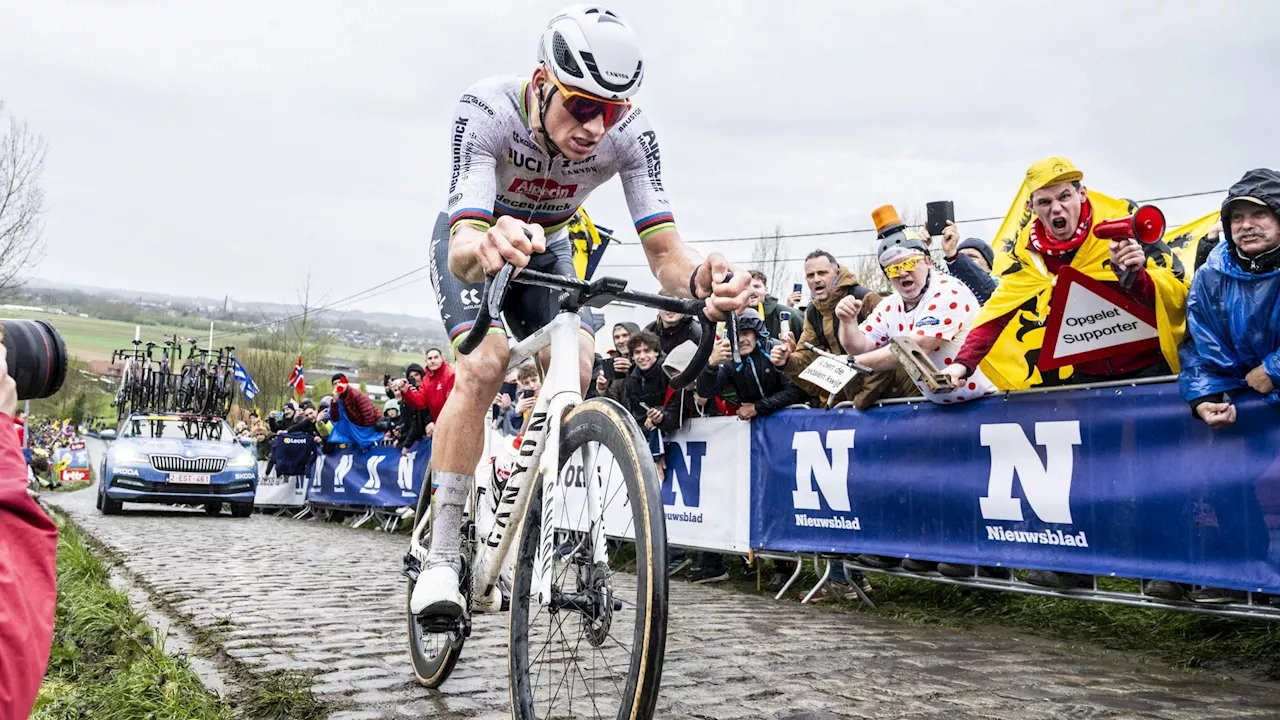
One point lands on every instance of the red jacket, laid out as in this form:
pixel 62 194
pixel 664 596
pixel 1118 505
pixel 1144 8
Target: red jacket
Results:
pixel 359 408
pixel 28 593
pixel 433 391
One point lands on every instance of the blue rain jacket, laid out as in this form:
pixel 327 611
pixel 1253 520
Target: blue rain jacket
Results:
pixel 1233 326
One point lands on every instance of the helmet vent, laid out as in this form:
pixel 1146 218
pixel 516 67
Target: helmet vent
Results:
pixel 563 57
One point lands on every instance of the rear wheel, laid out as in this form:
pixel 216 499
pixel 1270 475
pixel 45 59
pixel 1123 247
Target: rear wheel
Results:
pixel 434 654
pixel 241 510
pixel 596 650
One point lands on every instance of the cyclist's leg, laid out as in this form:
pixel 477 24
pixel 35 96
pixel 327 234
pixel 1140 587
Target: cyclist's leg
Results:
pixel 459 438
pixel 537 306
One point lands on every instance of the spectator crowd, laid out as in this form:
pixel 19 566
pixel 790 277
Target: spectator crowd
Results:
pixel 977 313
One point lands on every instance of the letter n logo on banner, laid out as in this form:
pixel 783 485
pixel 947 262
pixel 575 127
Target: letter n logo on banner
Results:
pixel 1046 485
pixel 830 473
pixel 684 468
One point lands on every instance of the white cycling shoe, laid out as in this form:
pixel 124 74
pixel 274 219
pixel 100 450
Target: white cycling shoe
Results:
pixel 436 593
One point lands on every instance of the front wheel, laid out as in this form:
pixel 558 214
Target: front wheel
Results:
pixel 596 650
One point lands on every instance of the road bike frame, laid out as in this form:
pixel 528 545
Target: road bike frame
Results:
pixel 538 457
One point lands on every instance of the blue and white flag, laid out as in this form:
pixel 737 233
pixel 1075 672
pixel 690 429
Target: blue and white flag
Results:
pixel 247 385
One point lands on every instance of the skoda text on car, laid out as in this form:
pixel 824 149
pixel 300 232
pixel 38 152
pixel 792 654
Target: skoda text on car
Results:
pixel 177 459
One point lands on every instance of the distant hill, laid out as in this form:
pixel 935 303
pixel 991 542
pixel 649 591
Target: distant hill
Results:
pixel 429 326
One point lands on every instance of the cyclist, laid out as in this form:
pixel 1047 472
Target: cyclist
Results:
pixel 526 153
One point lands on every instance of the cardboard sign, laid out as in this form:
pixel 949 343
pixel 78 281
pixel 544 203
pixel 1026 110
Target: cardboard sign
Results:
pixel 828 374
pixel 1090 321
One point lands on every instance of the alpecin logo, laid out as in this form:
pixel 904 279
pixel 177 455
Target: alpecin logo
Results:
pixel 542 189
pixel 824 462
pixel 1046 485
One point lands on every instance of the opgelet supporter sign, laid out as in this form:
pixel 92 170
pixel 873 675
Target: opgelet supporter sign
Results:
pixel 1090 321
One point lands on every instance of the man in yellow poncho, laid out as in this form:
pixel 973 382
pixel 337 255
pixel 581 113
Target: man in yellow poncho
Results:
pixel 1061 214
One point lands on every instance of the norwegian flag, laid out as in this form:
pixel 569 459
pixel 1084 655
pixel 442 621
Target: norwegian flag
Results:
pixel 296 380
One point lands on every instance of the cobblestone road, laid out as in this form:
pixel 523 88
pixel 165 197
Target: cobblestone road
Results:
pixel 309 596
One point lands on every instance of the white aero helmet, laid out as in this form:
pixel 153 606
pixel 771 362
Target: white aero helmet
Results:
pixel 590 48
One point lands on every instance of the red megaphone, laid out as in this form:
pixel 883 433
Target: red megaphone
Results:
pixel 1146 226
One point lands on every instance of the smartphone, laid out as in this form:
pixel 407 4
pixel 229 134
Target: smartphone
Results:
pixel 937 214
pixel 797 288
pixel 784 328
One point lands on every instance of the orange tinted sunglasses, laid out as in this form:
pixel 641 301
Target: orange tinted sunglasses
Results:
pixel 584 106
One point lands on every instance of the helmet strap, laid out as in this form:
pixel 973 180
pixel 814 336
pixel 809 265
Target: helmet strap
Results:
pixel 543 100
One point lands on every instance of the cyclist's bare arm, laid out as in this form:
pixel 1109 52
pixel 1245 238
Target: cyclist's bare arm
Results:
pixel 672 262
pixel 473 252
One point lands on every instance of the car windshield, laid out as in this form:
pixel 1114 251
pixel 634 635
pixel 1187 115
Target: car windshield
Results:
pixel 177 428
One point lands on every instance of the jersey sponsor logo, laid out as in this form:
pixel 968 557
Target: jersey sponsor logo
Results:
pixel 635 113
pixel 520 160
pixel 927 320
pixel 652 158
pixel 453 199
pixel 459 132
pixel 521 139
pixel 542 189
pixel 472 99
pixel 566 162
pixel 505 202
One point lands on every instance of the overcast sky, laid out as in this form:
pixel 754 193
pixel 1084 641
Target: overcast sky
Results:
pixel 230 147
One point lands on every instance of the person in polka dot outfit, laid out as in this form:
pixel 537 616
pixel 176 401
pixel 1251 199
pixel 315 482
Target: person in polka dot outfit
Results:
pixel 934 309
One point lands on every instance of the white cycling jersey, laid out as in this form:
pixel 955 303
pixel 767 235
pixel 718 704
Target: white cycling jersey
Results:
pixel 498 168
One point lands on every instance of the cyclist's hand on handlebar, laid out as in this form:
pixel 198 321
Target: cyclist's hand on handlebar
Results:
pixel 722 297
pixel 510 241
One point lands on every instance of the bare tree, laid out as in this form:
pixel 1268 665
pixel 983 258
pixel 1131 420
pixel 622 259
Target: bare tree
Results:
pixel 867 270
pixel 770 258
pixel 21 203
pixel 269 356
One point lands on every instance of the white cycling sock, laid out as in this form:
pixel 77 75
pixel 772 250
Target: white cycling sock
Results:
pixel 446 518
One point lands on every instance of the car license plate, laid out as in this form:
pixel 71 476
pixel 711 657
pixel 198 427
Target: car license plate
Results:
pixel 188 478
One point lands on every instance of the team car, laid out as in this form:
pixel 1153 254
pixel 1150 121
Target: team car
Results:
pixel 177 459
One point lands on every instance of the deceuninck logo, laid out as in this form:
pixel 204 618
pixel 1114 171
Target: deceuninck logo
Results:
pixel 1046 486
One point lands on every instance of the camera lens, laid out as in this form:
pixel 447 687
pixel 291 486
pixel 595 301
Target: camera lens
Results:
pixel 37 357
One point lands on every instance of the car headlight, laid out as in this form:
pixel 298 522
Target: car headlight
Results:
pixel 242 461
pixel 129 456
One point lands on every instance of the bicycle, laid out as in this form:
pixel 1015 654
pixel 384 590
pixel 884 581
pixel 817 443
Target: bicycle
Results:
pixel 612 575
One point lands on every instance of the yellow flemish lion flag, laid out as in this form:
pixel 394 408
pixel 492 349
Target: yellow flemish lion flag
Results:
pixel 1026 287
pixel 1185 241
pixel 587 243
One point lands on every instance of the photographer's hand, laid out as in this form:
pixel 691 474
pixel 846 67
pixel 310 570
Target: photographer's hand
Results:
pixel 8 388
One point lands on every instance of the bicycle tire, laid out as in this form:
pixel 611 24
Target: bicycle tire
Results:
pixel 607 424
pixel 431 665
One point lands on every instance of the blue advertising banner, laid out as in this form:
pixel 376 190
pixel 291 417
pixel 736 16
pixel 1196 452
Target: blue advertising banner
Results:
pixel 380 477
pixel 1117 481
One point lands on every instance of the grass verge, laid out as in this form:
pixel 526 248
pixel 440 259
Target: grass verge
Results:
pixel 106 662
pixel 97 633
pixel 1247 648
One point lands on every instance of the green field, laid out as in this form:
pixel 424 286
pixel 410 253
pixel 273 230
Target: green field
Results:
pixel 94 339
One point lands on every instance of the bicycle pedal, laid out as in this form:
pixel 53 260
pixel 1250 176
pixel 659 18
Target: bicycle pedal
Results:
pixel 438 624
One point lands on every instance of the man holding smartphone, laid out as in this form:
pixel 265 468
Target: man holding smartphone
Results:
pixel 774 313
